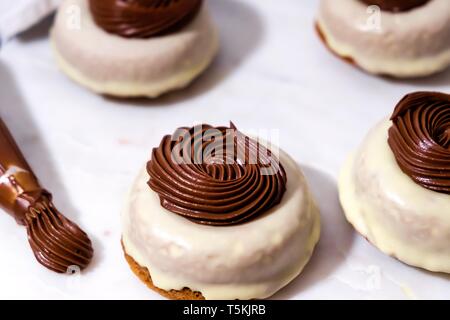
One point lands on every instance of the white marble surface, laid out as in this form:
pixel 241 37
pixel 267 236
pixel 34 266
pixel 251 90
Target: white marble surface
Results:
pixel 272 72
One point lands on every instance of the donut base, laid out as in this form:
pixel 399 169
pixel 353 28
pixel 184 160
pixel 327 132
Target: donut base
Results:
pixel 144 275
pixel 348 59
pixel 362 233
pixel 324 40
pixel 130 90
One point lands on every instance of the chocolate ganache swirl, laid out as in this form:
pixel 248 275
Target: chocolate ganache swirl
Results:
pixel 143 18
pixel 215 175
pixel 420 139
pixel 396 5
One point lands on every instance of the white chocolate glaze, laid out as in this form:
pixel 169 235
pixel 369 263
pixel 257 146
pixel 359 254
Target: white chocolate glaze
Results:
pixel 249 261
pixel 400 217
pixel 407 44
pixel 110 64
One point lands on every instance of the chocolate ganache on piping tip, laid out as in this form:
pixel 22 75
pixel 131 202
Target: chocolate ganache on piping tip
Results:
pixel 57 242
pixel 396 5
pixel 143 18
pixel 420 139
pixel 215 175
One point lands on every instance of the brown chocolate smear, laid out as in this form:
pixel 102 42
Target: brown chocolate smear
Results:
pixel 143 18
pixel 227 186
pixel 57 243
pixel 396 5
pixel 420 139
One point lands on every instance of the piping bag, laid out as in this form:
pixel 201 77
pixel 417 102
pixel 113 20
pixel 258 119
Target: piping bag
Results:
pixel 57 243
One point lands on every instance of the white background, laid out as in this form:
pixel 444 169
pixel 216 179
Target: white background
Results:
pixel 272 73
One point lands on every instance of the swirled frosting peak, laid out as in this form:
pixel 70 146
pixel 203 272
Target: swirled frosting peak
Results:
pixel 396 5
pixel 143 18
pixel 420 139
pixel 215 175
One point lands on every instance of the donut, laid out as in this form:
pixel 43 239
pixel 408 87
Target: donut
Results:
pixel 395 189
pixel 133 48
pixel 396 38
pixel 219 224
